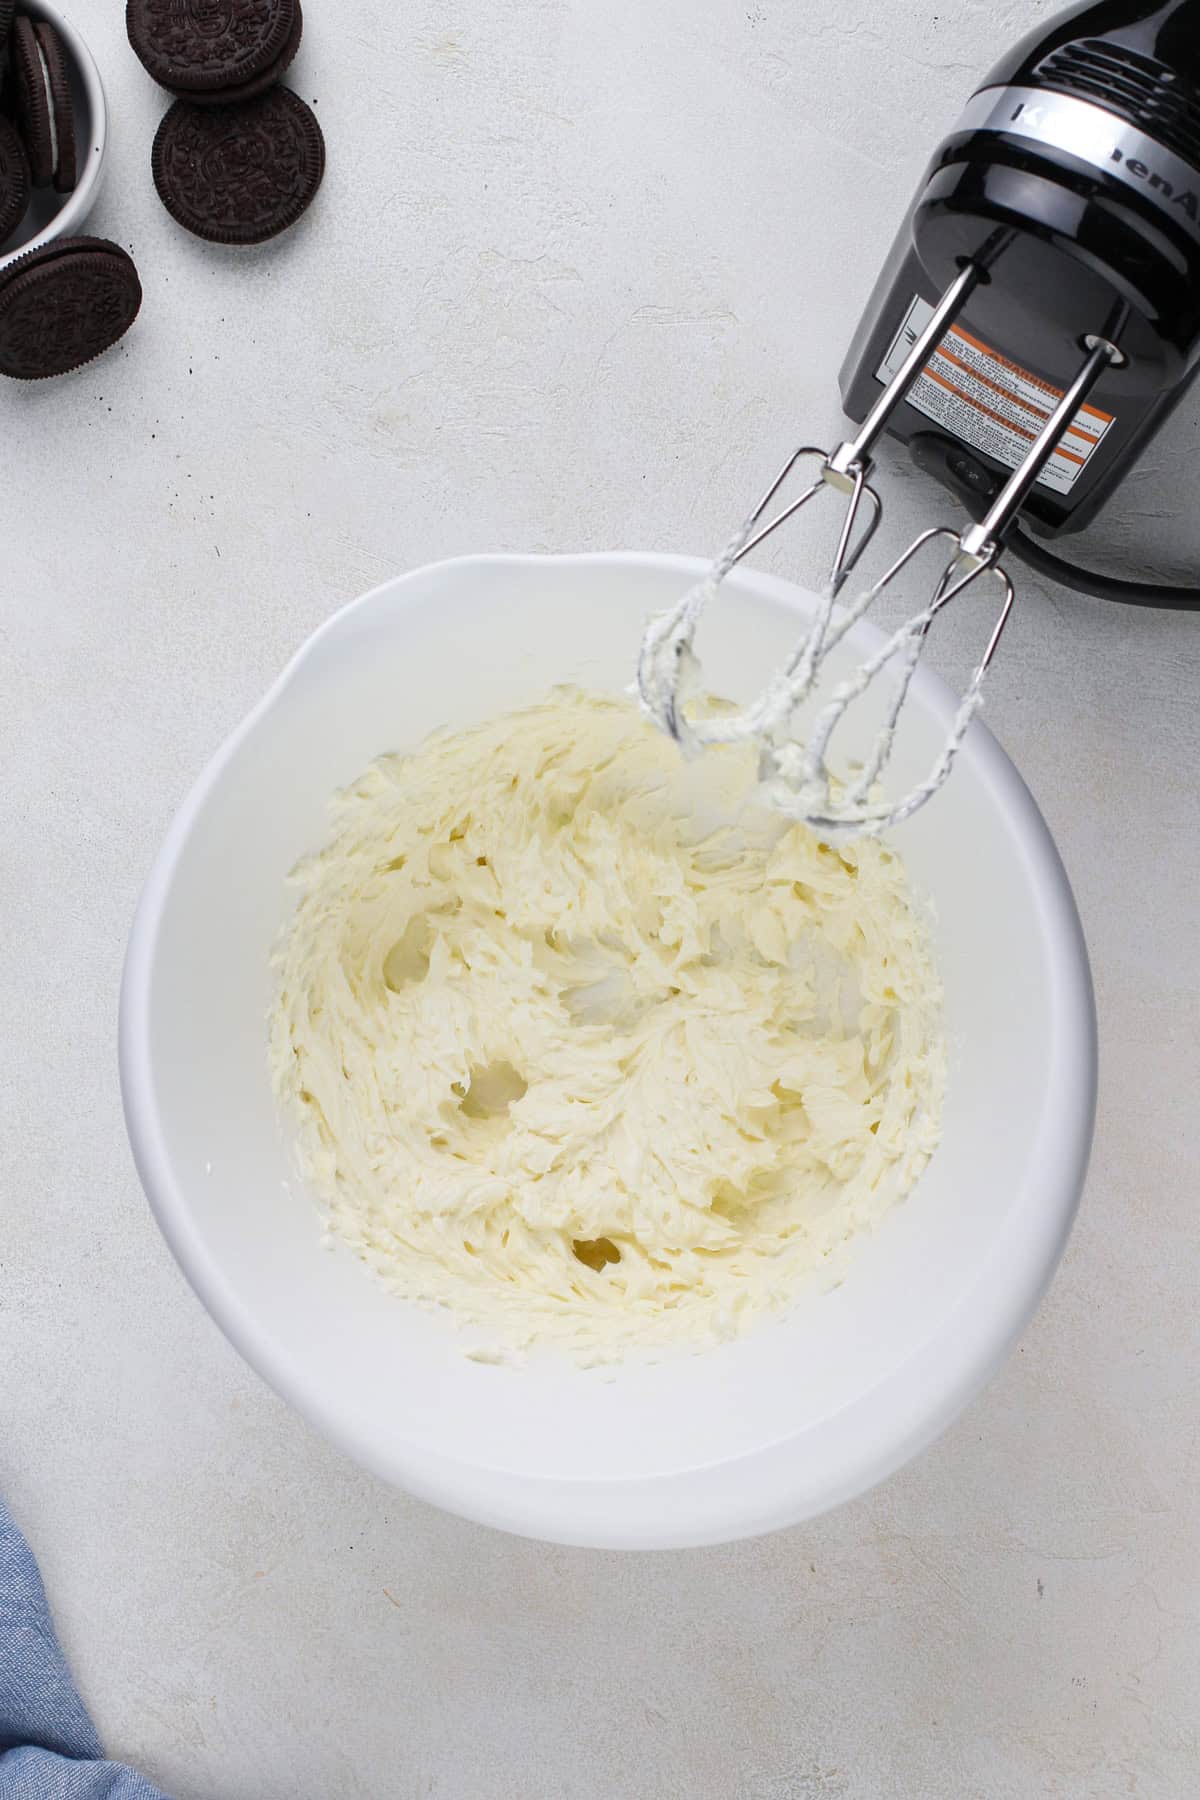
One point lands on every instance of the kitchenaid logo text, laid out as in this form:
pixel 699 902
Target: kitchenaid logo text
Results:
pixel 1052 120
pixel 1188 201
pixel 1096 137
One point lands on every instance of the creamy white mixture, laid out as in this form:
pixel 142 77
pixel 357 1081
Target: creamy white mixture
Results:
pixel 584 1044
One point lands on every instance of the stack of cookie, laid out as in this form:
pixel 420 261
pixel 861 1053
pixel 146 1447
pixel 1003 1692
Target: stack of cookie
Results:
pixel 238 158
pixel 61 304
pixel 37 131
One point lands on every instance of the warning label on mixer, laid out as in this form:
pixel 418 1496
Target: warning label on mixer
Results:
pixel 991 403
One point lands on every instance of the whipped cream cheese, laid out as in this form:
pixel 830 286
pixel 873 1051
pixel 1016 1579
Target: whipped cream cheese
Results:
pixel 584 1043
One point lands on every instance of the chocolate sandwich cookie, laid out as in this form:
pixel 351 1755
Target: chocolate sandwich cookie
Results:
pixel 62 305
pixel 43 102
pixel 239 174
pixel 14 179
pixel 202 46
pixel 258 84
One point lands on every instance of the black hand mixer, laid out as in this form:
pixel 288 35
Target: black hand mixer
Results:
pixel 1034 324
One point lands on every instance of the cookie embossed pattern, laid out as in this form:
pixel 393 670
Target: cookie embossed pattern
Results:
pixel 65 304
pixel 208 46
pixel 238 158
pixel 239 174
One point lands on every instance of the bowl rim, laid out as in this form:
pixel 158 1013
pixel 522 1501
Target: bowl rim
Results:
pixel 919 1398
pixel 92 155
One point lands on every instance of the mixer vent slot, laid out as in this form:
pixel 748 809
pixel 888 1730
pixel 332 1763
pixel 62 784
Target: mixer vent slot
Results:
pixel 1147 93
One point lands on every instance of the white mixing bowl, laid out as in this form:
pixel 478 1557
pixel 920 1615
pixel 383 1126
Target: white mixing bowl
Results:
pixel 802 1412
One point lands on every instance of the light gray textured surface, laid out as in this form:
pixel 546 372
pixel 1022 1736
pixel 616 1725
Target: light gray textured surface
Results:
pixel 578 275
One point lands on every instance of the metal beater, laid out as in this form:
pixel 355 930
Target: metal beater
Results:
pixel 1062 214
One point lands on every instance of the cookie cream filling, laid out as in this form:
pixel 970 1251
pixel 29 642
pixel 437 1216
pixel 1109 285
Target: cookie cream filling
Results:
pixel 51 109
pixel 582 1043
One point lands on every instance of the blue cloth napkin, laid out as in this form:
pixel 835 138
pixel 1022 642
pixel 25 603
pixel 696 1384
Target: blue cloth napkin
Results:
pixel 48 1745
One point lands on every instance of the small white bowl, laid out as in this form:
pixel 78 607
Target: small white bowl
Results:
pixel 51 214
pixel 800 1413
